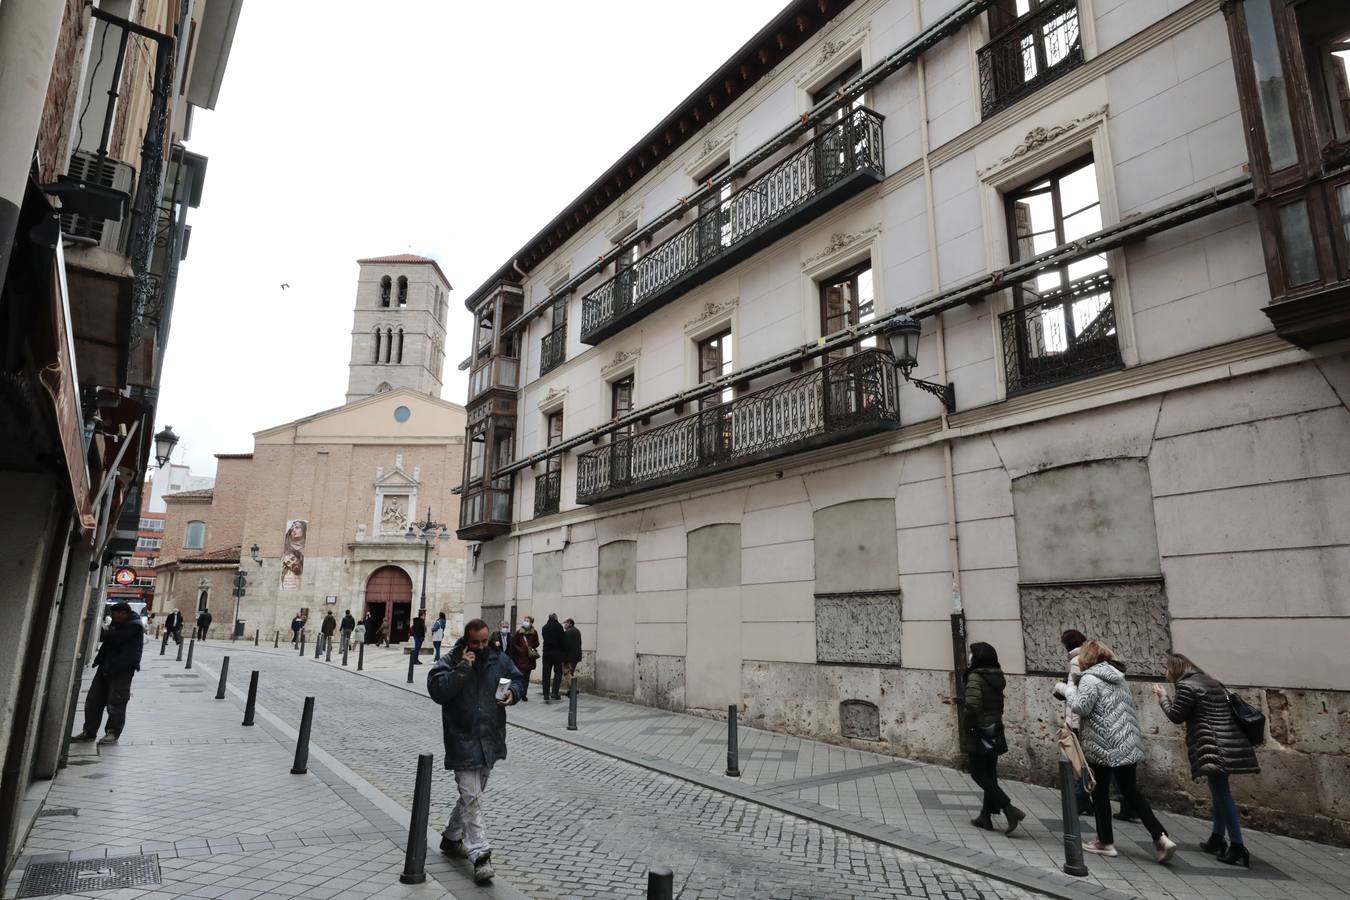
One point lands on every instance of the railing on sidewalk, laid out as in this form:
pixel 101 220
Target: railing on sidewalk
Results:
pixel 1032 51
pixel 1066 334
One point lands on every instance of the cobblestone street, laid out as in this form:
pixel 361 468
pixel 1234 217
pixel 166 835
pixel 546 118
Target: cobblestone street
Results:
pixel 568 822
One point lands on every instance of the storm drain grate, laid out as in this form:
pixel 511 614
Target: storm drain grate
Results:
pixel 59 811
pixel 183 675
pixel 83 762
pixel 90 875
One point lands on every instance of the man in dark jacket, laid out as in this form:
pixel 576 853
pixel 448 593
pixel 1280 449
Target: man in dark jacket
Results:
pixel 553 657
pixel 326 629
pixel 465 684
pixel 173 624
pixel 116 663
pixel 297 625
pixel 348 626
pixel 571 651
pixel 203 623
pixel 419 634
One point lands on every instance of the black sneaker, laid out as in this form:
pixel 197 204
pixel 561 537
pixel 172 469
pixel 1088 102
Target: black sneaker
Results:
pixel 83 737
pixel 482 869
pixel 453 849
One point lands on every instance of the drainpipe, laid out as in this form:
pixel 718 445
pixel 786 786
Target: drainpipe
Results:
pixel 28 34
pixel 958 618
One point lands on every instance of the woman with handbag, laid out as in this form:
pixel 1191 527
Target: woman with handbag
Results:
pixel 1217 746
pixel 983 739
pixel 1113 745
pixel 524 651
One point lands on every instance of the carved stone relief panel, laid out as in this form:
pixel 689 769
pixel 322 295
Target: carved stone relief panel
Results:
pixel 858 628
pixel 1129 615
pixel 859 720
pixel 393 514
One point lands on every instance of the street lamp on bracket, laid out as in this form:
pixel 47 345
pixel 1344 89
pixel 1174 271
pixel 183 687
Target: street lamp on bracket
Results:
pixel 428 532
pixel 904 340
pixel 165 441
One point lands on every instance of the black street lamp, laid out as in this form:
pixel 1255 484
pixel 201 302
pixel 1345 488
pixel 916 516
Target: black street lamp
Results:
pixel 428 532
pixel 904 340
pixel 165 441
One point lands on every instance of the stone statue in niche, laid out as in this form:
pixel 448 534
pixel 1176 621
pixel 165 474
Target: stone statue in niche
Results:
pixel 394 515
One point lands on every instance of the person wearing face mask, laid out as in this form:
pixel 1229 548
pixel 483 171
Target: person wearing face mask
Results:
pixel 524 651
pixel 437 637
pixel 473 684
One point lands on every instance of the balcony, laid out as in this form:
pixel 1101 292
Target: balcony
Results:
pixel 495 372
pixel 841 161
pixel 547 492
pixel 1067 334
pixel 1031 52
pixel 485 513
pixel 553 349
pixel 842 401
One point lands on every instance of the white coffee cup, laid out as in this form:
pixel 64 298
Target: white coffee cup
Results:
pixel 503 688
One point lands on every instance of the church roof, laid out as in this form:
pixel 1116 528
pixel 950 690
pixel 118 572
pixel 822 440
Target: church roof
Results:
pixel 191 495
pixel 404 259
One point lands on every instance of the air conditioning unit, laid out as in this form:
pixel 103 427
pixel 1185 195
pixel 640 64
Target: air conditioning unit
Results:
pixel 109 173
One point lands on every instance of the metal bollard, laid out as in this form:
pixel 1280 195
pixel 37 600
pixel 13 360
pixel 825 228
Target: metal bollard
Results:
pixel 179 657
pixel 164 644
pixel 234 637
pixel 328 646
pixel 276 640
pixel 256 632
pixel 361 656
pixel 660 883
pixel 412 661
pixel 252 697
pixel 191 641
pixel 345 647
pixel 415 861
pixel 733 744
pixel 301 765
pixel 319 640
pixel 224 676
pixel 302 642
pixel 1073 835
pixel 572 704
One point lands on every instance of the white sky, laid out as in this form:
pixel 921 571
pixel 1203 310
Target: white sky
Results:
pixel 454 130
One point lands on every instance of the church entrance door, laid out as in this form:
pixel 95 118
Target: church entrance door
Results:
pixel 389 598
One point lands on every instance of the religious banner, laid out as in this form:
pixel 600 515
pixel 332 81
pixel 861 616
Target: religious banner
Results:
pixel 293 554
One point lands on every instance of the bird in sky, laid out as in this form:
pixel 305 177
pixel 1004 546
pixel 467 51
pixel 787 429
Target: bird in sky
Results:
pixel 285 287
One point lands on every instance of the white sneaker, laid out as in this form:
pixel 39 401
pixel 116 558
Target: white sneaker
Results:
pixel 108 738
pixel 1101 849
pixel 1166 848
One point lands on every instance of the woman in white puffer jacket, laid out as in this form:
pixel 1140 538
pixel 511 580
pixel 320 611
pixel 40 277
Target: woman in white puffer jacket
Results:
pixel 1113 745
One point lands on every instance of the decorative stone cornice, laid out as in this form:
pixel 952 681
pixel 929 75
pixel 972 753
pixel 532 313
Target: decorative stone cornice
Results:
pixel 1041 135
pixel 621 358
pixel 557 275
pixel 828 50
pixel 838 243
pixel 553 398
pixel 707 150
pixel 712 311
pixel 625 222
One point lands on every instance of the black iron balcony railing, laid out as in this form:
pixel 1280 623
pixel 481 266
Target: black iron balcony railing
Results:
pixel 843 159
pixel 842 401
pixel 547 492
pixel 1066 334
pixel 1033 51
pixel 553 349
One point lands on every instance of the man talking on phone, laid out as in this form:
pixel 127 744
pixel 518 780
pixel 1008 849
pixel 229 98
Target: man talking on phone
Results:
pixel 473 684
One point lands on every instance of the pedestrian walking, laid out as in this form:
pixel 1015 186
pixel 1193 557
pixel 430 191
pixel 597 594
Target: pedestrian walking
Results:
pixel 116 663
pixel 297 625
pixel 983 739
pixel 1216 747
pixel 524 651
pixel 348 626
pixel 173 624
pixel 203 624
pixel 359 634
pixel 382 633
pixel 571 652
pixel 437 637
pixel 327 628
pixel 1113 745
pixel 554 638
pixel 473 684
pixel 149 623
pixel 419 634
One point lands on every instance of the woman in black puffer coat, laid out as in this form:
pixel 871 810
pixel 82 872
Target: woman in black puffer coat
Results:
pixel 1216 746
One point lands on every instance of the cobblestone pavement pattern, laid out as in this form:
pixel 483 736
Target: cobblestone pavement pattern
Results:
pixel 567 822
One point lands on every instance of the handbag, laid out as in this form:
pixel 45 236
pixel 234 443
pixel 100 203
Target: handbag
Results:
pixel 534 653
pixel 1250 720
pixel 1073 752
pixel 990 739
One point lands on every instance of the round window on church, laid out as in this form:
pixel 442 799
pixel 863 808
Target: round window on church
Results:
pixel 402 414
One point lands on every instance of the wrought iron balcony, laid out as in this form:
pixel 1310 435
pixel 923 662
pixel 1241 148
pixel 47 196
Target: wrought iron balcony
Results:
pixel 1068 333
pixel 1032 51
pixel 844 400
pixel 838 163
pixel 553 349
pixel 547 492
pixel 485 513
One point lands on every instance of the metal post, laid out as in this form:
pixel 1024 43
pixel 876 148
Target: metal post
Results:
pixel 733 745
pixel 660 883
pixel 361 657
pixel 328 648
pixel 164 644
pixel 301 765
pixel 319 640
pixel 191 641
pixel 302 642
pixel 412 661
pixel 1073 836
pixel 179 657
pixel 415 861
pixel 252 697
pixel 572 704
pixel 276 639
pixel 346 645
pixel 234 635
pixel 256 632
pixel 224 676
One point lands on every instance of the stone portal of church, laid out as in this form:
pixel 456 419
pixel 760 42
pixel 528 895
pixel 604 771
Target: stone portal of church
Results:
pixel 389 598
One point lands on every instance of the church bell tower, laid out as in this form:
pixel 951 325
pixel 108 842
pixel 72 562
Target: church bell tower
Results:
pixel 398 329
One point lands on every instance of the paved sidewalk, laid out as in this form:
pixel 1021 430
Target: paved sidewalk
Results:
pixel 198 806
pixel 918 807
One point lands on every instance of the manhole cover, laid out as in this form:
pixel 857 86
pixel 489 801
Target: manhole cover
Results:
pixel 90 875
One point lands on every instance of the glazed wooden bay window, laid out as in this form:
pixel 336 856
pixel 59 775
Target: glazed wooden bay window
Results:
pixel 1032 43
pixel 1062 325
pixel 548 486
